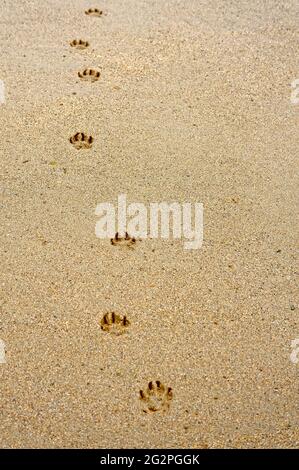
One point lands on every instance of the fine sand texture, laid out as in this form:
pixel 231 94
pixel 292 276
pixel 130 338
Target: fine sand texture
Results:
pixel 147 344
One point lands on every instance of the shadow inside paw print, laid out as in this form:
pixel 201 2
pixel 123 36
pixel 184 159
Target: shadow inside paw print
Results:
pixel 81 141
pixel 89 75
pixel 79 44
pixel 123 241
pixel 156 397
pixel 93 12
pixel 114 323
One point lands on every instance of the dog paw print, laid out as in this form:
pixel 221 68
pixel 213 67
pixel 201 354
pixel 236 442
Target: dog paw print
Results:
pixel 114 323
pixel 93 12
pixel 81 141
pixel 89 75
pixel 79 44
pixel 123 241
pixel 156 397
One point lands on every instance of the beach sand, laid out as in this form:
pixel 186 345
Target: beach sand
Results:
pixel 192 105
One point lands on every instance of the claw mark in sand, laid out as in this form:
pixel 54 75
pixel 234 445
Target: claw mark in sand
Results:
pixel 93 12
pixel 114 323
pixel 79 44
pixel 123 241
pixel 89 75
pixel 81 141
pixel 156 397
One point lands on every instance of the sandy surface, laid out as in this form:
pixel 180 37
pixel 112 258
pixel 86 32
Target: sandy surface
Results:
pixel 193 104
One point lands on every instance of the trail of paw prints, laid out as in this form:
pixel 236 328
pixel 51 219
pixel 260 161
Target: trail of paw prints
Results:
pixel 81 141
pixel 156 397
pixel 89 75
pixel 79 44
pixel 114 323
pixel 93 12
pixel 125 241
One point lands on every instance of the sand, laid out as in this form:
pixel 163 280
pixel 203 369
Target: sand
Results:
pixel 192 105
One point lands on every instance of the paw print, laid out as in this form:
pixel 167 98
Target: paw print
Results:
pixel 114 323
pixel 156 397
pixel 123 241
pixel 81 141
pixel 79 44
pixel 93 12
pixel 89 75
